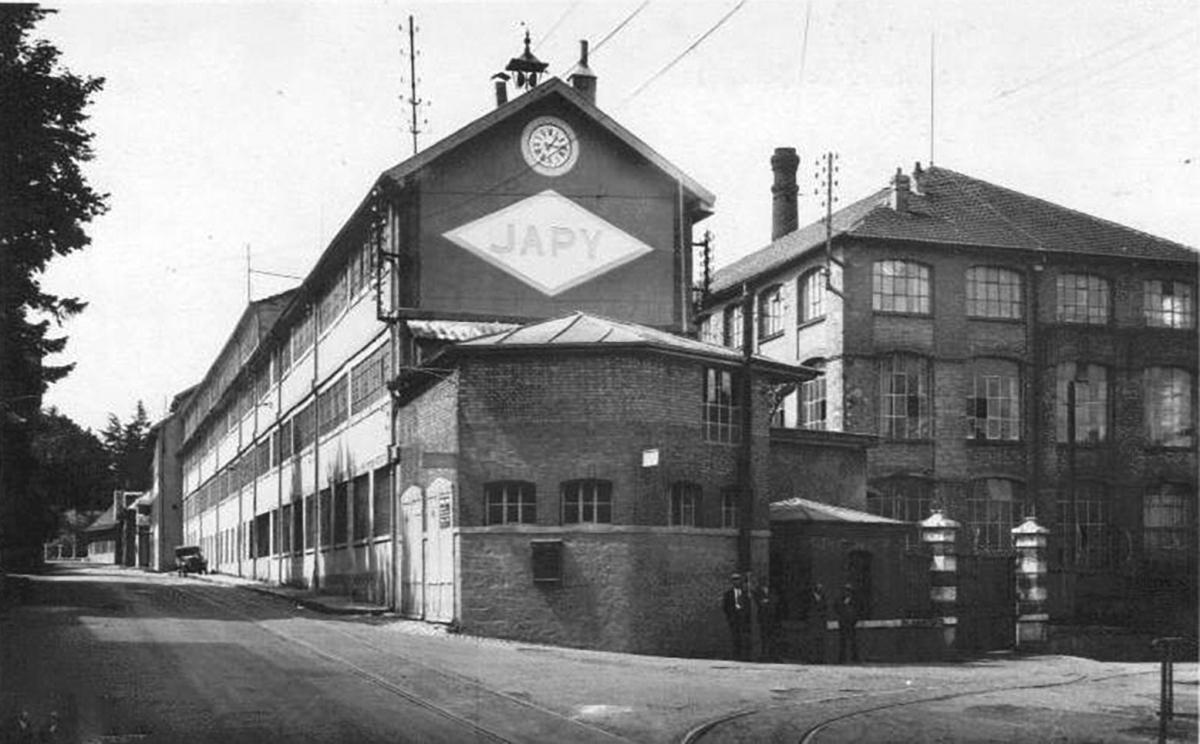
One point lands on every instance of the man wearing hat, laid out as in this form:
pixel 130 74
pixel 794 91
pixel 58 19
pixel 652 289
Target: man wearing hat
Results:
pixel 736 604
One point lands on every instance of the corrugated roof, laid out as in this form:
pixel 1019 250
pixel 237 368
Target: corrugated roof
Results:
pixel 552 86
pixel 454 330
pixel 951 208
pixel 802 510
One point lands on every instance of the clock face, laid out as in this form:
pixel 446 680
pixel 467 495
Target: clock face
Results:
pixel 549 146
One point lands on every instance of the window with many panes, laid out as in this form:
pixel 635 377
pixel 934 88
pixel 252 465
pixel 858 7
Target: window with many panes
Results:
pixel 900 287
pixel 810 296
pixel 368 378
pixel 710 329
pixel 1085 520
pixel 993 292
pixel 587 501
pixel 510 502
pixel 903 498
pixel 730 507
pixel 993 508
pixel 812 399
pixel 341 513
pixel 1082 298
pixel 1091 401
pixel 904 397
pixel 1167 528
pixel 722 415
pixel 1168 304
pixel 770 313
pixel 994 405
pixel 381 516
pixel 332 406
pixel 1168 406
pixel 361 496
pixel 733 326
pixel 685 504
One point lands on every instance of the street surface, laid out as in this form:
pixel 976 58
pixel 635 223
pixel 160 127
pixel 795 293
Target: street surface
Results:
pixel 119 655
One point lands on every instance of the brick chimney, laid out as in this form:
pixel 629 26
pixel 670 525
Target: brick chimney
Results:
pixel 784 217
pixel 581 77
pixel 501 79
pixel 901 189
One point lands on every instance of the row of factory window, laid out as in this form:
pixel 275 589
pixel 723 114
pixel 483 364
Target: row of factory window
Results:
pixel 1086 531
pixel 991 293
pixel 350 394
pixel 589 501
pixel 345 287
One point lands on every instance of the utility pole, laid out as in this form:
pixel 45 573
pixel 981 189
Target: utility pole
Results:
pixel 828 172
pixel 745 468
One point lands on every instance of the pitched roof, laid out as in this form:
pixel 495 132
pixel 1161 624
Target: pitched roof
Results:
pixel 105 521
pixel 951 208
pixel 802 510
pixel 551 87
pixel 585 330
pixel 454 330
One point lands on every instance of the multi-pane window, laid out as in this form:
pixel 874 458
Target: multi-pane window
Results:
pixel 1168 304
pixel 1082 298
pixel 332 303
pixel 1086 522
pixel 361 488
pixel 381 506
pixel 1166 520
pixel 810 296
pixel 730 507
pixel 587 501
pixel 710 329
pixel 368 378
pixel 310 521
pixel 283 440
pixel 302 336
pixel 733 326
pixel 1091 401
pixel 341 513
pixel 510 502
pixel 994 405
pixel 331 406
pixel 992 510
pixel 685 504
pixel 261 536
pixel 993 293
pixel 304 428
pixel 900 287
pixel 902 498
pixel 904 397
pixel 812 399
pixel 326 518
pixel 770 312
pixel 285 529
pixel 722 415
pixel 1168 406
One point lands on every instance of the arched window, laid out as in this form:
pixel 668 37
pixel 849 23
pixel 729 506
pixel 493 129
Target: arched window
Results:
pixel 1085 521
pixel 587 501
pixel 904 498
pixel 900 287
pixel 685 504
pixel 770 313
pixel 994 403
pixel 510 502
pixel 810 296
pixel 733 326
pixel 993 292
pixel 1168 531
pixel 1168 406
pixel 1082 298
pixel 1168 304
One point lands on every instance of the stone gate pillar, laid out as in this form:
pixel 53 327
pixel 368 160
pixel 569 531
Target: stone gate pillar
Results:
pixel 1029 539
pixel 938 532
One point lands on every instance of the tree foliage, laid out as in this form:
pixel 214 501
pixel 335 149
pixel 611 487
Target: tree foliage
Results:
pixel 73 466
pixel 130 449
pixel 45 201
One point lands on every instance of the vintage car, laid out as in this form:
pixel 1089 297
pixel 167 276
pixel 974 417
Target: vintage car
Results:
pixel 189 559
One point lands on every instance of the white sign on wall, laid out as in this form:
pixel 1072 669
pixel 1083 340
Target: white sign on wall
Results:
pixel 549 242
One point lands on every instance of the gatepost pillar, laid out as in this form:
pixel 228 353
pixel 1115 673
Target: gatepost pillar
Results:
pixel 938 532
pixel 1029 539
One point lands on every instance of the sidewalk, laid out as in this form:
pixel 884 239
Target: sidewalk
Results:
pixel 1002 697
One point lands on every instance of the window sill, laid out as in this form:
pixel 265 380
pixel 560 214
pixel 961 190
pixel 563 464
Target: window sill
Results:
pixel 982 442
pixel 899 314
pixel 771 337
pixel 803 324
pixel 989 319
pixel 1086 445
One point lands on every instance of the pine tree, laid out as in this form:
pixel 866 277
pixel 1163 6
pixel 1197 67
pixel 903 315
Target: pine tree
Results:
pixel 44 203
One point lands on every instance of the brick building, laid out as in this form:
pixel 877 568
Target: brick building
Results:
pixel 962 323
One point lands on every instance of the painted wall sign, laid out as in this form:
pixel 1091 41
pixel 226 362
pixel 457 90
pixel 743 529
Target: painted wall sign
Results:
pixel 549 242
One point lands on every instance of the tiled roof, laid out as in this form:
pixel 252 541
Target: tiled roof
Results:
pixel 583 329
pixel 803 510
pixel 951 208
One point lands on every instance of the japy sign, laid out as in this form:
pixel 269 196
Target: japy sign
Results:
pixel 549 242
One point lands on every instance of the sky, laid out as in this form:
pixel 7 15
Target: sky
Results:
pixel 231 127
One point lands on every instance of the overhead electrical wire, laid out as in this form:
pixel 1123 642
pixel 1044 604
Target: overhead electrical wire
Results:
pixel 620 26
pixel 691 47
pixel 554 27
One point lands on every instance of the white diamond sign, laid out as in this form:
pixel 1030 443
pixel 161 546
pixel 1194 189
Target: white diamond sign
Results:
pixel 549 242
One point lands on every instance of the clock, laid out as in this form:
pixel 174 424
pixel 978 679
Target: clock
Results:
pixel 549 146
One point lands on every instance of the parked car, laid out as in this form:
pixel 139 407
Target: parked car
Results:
pixel 189 559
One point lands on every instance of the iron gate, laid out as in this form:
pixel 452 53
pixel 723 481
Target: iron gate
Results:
pixel 987 602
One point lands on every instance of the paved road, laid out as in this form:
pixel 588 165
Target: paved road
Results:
pixel 126 656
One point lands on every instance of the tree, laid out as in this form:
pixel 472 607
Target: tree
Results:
pixel 44 203
pixel 130 450
pixel 73 465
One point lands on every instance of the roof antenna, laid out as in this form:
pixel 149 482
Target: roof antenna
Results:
pixel 931 89
pixel 411 99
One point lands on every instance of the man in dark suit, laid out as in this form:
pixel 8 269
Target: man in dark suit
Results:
pixel 847 615
pixel 736 604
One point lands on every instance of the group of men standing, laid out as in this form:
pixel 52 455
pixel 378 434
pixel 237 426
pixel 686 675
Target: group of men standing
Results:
pixel 743 603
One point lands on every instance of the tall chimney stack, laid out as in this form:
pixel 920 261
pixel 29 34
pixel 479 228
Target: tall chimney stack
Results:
pixel 501 79
pixel 581 77
pixel 784 218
